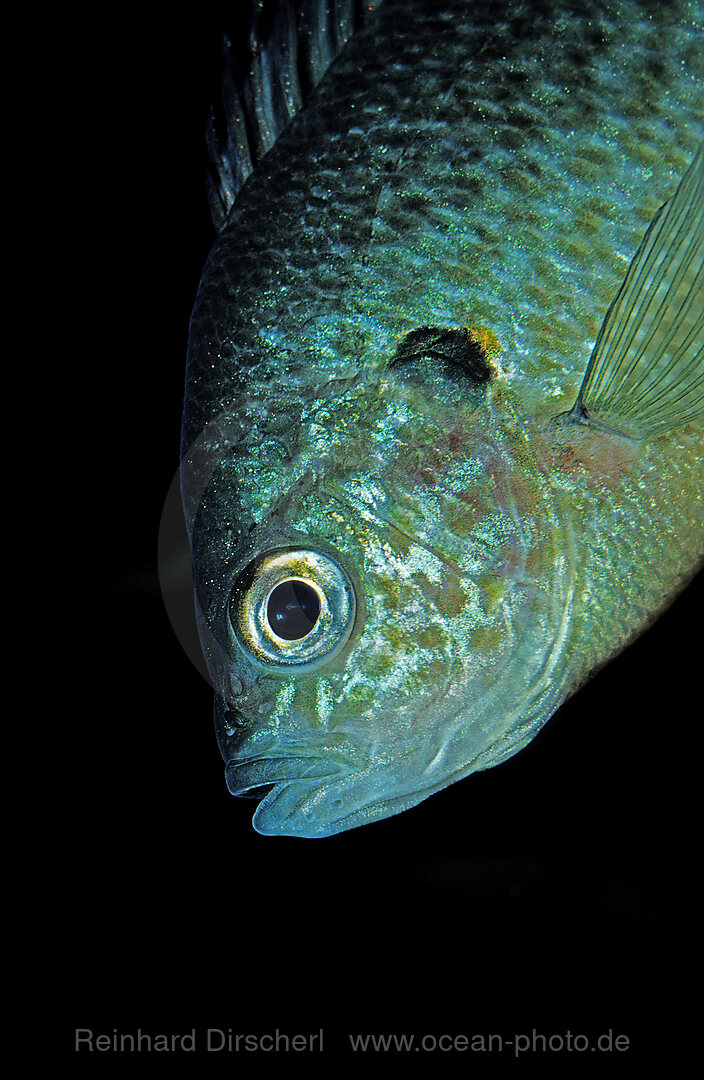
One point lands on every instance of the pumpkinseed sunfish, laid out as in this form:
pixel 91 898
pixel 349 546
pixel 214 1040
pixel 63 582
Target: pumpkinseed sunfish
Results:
pixel 443 445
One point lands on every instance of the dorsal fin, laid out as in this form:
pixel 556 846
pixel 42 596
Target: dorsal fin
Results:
pixel 290 47
pixel 646 373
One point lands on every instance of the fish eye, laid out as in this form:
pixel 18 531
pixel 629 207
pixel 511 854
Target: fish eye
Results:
pixel 292 610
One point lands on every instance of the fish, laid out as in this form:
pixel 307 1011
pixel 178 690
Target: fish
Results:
pixel 442 443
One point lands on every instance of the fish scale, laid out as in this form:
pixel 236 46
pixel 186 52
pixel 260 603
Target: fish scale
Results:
pixel 492 170
pixel 632 565
pixel 312 242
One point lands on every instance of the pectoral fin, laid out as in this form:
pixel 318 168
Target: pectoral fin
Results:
pixel 646 373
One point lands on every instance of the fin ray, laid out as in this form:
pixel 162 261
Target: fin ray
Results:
pixel 291 45
pixel 646 372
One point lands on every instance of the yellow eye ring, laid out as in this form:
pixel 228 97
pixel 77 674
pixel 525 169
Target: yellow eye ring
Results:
pixel 292 610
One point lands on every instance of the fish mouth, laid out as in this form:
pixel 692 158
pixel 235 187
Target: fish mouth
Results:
pixel 256 777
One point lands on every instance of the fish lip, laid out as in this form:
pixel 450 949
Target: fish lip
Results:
pixel 257 771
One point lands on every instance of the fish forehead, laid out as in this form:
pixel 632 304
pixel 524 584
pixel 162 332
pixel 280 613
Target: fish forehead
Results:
pixel 458 164
pixel 453 477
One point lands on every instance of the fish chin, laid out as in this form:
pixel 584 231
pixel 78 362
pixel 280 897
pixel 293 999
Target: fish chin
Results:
pixel 319 797
pixel 315 809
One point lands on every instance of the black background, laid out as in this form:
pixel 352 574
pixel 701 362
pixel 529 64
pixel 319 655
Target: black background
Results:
pixel 547 893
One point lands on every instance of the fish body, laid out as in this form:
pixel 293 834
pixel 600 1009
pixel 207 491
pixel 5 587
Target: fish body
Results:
pixel 443 451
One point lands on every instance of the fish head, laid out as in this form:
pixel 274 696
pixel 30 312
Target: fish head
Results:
pixel 398 610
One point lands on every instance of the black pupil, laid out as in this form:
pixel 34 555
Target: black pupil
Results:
pixel 293 609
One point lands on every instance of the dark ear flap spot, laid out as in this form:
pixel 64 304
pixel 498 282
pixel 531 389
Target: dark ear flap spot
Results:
pixel 432 351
